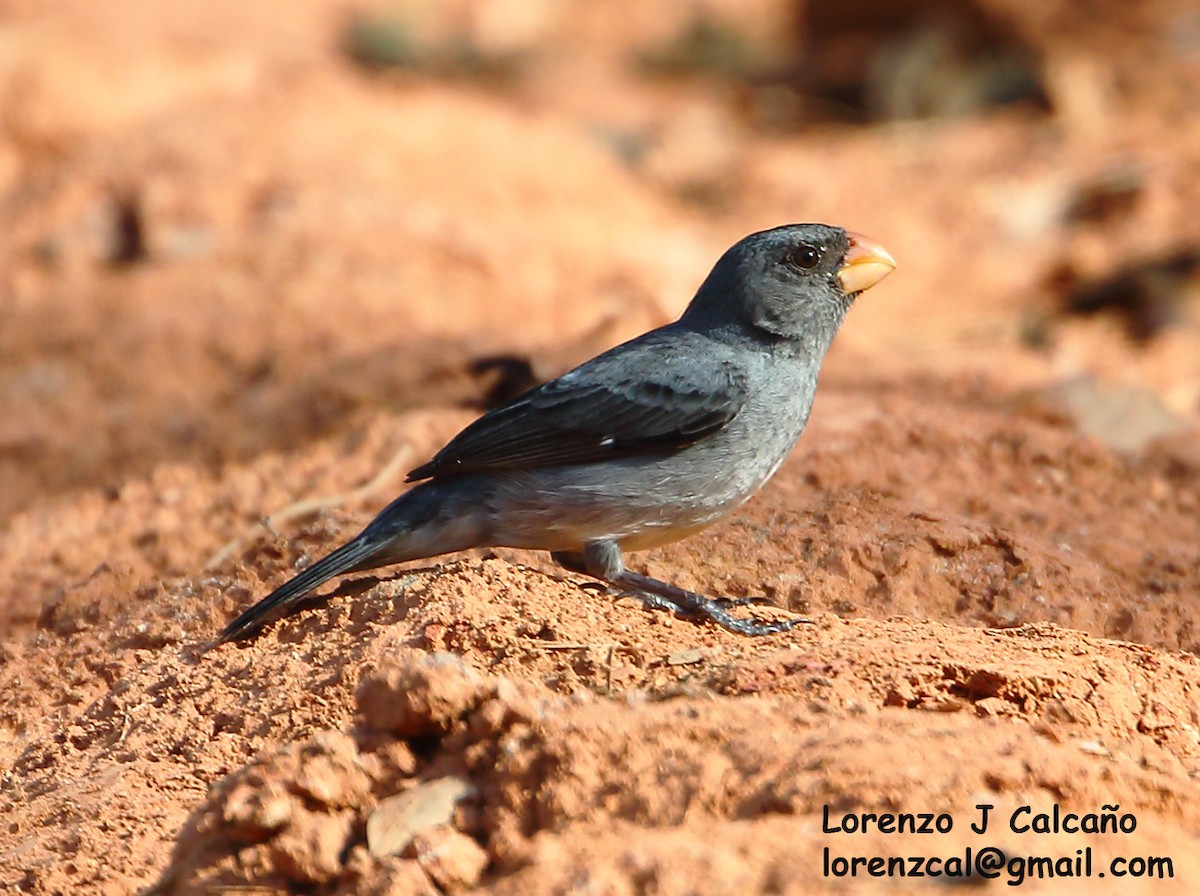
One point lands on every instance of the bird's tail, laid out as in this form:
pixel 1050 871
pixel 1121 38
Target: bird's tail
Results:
pixel 355 554
pixel 430 519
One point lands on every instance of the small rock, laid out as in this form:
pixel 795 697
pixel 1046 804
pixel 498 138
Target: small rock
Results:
pixel 945 704
pixel 390 765
pixel 396 877
pixel 309 850
pixel 1124 418
pixel 330 773
pixel 685 657
pixel 452 860
pixel 420 694
pixel 994 706
pixel 253 814
pixel 397 819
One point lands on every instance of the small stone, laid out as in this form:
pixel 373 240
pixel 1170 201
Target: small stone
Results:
pixel 309 850
pixel 1125 418
pixel 420 694
pixel 994 706
pixel 330 773
pixel 452 860
pixel 397 819
pixel 253 814
pixel 394 876
pixel 944 704
pixel 685 657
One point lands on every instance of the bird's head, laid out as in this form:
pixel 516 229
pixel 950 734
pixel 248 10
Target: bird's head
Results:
pixel 794 282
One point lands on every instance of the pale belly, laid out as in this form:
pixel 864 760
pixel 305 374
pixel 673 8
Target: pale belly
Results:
pixel 636 512
pixel 657 537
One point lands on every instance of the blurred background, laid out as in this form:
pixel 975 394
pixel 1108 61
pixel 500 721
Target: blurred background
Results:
pixel 228 227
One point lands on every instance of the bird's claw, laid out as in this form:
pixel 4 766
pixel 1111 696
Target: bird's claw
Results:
pixel 694 606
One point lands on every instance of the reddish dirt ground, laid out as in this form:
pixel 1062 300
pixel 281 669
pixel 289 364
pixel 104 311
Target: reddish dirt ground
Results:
pixel 239 272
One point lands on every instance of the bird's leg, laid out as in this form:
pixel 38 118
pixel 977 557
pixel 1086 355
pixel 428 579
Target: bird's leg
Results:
pixel 656 593
pixel 603 560
pixel 573 561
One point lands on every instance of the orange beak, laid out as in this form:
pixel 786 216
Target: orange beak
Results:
pixel 864 265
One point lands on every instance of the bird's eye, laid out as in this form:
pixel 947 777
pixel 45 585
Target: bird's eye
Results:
pixel 805 257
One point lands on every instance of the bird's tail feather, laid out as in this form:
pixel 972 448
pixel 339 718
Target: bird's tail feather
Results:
pixel 433 518
pixel 354 555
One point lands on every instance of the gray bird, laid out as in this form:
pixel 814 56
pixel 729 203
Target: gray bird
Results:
pixel 641 446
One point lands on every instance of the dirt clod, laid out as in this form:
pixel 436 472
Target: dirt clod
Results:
pixel 419 694
pixel 452 860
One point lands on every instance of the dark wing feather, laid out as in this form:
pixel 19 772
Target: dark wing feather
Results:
pixel 647 395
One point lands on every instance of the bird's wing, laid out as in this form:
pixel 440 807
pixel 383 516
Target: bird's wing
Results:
pixel 644 396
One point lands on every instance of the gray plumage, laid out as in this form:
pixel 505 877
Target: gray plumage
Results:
pixel 641 446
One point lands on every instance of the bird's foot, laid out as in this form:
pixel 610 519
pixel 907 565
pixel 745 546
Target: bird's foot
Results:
pixel 663 596
pixel 602 559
